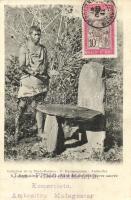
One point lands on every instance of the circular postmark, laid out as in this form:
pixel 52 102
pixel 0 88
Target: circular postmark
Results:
pixel 99 13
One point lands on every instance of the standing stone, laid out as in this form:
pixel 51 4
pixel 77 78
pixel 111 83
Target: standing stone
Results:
pixel 54 134
pixel 91 93
pixel 51 132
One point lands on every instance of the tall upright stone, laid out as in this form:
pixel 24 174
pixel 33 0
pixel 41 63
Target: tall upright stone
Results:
pixel 91 91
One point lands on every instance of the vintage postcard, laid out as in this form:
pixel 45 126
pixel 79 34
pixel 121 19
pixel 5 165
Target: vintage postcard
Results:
pixel 65 110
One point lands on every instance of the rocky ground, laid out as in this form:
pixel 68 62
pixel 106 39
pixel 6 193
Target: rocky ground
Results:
pixel 30 147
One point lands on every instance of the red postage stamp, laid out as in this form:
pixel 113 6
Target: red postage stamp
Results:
pixel 99 29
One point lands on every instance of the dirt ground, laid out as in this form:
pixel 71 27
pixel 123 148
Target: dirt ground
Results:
pixel 30 147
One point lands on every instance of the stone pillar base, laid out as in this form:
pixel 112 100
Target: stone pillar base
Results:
pixel 96 140
pixel 51 132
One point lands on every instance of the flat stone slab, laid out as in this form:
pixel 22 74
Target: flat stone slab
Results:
pixel 69 111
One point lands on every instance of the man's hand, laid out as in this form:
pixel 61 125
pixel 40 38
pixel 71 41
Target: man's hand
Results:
pixel 36 74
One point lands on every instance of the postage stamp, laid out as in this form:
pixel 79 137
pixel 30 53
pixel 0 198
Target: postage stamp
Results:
pixel 99 29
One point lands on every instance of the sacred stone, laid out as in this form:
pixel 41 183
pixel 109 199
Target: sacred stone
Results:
pixel 91 91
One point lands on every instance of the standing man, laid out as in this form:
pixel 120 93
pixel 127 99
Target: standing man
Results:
pixel 34 81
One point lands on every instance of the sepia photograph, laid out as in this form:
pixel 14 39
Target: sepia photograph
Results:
pixel 63 83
